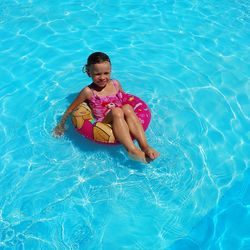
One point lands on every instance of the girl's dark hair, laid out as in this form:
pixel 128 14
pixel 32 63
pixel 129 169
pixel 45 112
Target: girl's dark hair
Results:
pixel 94 58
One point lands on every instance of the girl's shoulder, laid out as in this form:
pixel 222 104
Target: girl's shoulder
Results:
pixel 87 92
pixel 116 83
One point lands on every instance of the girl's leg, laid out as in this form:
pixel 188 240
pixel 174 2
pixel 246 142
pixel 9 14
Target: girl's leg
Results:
pixel 137 131
pixel 122 133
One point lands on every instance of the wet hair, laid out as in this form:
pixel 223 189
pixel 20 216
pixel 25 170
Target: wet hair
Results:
pixel 94 58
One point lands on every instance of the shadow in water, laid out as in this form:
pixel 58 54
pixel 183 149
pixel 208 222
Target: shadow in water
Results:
pixel 114 151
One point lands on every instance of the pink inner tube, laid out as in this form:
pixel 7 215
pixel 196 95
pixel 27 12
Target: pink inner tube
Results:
pixel 101 132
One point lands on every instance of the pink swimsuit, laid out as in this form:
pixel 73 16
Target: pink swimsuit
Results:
pixel 101 105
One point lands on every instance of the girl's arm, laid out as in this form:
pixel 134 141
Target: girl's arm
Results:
pixel 83 96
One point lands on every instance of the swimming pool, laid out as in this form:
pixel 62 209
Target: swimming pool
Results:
pixel 189 60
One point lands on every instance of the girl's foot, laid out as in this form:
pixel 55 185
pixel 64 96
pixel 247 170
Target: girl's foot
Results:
pixel 151 154
pixel 138 155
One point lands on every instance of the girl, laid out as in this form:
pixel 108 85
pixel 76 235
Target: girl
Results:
pixel 104 97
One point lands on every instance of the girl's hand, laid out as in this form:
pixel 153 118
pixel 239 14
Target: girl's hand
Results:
pixel 59 130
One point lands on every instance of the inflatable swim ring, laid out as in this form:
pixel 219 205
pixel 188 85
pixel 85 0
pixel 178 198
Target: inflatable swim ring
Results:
pixel 86 125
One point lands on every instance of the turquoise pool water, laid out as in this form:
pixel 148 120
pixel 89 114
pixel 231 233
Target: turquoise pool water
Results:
pixel 189 60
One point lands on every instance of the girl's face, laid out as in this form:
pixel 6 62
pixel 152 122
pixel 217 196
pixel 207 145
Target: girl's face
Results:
pixel 100 73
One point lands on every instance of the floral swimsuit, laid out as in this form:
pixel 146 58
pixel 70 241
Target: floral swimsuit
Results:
pixel 101 105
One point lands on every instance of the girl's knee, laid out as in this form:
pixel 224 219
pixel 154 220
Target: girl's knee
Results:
pixel 128 109
pixel 117 113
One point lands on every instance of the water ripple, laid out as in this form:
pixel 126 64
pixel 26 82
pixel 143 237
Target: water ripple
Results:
pixel 189 61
